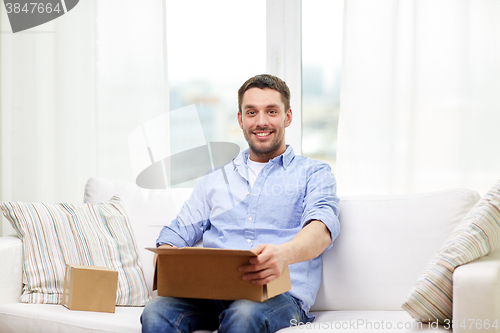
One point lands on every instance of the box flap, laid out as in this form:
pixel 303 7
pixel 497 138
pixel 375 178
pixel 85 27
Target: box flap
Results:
pixel 280 285
pixel 202 251
pixel 155 279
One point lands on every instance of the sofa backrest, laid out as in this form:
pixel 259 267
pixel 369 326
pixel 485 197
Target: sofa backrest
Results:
pixel 384 244
pixel 148 210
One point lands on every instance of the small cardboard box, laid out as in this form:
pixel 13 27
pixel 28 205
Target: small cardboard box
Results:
pixel 90 288
pixel 212 274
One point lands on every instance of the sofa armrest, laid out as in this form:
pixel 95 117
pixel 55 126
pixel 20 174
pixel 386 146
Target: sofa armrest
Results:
pixel 476 295
pixel 11 279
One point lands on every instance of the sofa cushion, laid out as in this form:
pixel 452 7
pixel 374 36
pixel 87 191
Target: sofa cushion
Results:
pixel 50 318
pixel 148 210
pixel 384 244
pixel 55 235
pixel 477 235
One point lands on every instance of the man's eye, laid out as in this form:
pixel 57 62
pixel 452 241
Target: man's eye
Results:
pixel 272 111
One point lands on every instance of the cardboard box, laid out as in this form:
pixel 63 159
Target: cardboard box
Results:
pixel 90 288
pixel 211 274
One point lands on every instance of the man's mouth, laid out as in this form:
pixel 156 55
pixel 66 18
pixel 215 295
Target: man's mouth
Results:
pixel 263 134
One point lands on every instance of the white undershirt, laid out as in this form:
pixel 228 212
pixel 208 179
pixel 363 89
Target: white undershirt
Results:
pixel 254 169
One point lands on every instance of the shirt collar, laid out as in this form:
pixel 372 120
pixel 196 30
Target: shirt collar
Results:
pixel 284 159
pixel 287 156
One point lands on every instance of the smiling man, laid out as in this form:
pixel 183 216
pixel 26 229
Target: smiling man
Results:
pixel 280 205
pixel 263 117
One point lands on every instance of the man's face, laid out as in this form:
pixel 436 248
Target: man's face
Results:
pixel 263 119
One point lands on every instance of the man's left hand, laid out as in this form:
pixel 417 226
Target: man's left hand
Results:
pixel 269 264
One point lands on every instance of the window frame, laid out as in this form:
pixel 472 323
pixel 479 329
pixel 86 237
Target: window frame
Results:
pixel 284 57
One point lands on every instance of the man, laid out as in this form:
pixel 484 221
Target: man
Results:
pixel 280 205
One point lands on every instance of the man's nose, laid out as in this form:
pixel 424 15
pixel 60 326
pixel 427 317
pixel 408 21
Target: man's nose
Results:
pixel 262 120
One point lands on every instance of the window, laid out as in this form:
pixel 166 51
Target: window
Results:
pixel 213 47
pixel 321 71
pixel 211 52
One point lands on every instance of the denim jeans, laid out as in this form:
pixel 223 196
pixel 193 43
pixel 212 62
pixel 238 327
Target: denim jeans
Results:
pixel 169 314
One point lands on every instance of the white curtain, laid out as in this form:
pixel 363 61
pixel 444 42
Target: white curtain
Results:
pixel 72 90
pixel 420 97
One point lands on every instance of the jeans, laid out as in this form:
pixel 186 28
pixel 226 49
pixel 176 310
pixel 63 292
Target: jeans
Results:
pixel 170 314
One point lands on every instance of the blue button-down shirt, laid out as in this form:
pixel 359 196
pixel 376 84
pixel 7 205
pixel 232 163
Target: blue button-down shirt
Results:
pixel 288 193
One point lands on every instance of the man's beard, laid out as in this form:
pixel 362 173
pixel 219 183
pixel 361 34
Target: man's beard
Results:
pixel 275 145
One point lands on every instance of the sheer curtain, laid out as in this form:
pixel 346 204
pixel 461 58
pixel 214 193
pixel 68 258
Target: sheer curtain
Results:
pixel 72 90
pixel 420 101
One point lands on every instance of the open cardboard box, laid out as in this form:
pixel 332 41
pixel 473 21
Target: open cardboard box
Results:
pixel 212 274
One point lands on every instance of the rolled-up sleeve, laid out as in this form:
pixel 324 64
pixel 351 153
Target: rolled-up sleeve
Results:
pixel 321 202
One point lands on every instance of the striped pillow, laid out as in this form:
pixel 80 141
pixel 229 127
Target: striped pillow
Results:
pixel 431 298
pixel 55 235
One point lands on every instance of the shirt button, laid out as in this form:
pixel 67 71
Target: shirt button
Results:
pixel 248 193
pixel 250 218
pixel 249 240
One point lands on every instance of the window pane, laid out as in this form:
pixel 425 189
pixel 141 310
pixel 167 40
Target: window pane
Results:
pixel 213 47
pixel 321 70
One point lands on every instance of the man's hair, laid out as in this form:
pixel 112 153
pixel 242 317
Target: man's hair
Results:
pixel 263 81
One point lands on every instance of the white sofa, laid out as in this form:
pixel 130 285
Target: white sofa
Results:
pixel 384 244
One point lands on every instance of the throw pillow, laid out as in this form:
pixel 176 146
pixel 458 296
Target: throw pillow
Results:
pixel 431 298
pixel 55 235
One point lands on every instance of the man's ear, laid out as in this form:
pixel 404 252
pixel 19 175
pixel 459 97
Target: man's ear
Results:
pixel 240 120
pixel 288 118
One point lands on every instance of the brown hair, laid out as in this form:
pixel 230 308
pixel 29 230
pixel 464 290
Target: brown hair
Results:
pixel 263 81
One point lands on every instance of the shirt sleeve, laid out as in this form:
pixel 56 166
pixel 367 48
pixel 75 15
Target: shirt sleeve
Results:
pixel 321 201
pixel 191 222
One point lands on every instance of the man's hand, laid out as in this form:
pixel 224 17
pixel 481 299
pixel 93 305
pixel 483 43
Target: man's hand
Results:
pixel 270 262
pixel 272 259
